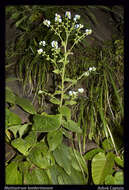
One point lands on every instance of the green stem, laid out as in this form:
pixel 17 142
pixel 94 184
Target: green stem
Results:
pixel 63 71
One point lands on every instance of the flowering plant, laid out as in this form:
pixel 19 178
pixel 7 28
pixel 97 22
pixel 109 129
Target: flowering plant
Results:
pixel 60 55
pixel 61 123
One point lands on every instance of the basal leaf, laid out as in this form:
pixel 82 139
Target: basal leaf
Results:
pixel 25 105
pixel 36 176
pixel 10 96
pixel 119 178
pixel 101 167
pixel 61 155
pixel 90 154
pixel 72 126
pixel 40 157
pixel 55 172
pixel 54 139
pixel 109 180
pixel 13 176
pixel 46 123
pixel 21 145
pixel 11 118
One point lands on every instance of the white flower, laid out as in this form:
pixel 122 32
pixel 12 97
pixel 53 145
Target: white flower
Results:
pixel 79 25
pixel 88 31
pixel 90 68
pixel 72 93
pixel 77 17
pixel 76 25
pixel 81 90
pixel 47 23
pixel 54 44
pixel 68 14
pixel 43 43
pixel 58 18
pixel 40 51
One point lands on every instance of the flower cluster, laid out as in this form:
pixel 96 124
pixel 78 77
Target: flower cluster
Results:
pixel 58 18
pixel 47 23
pixel 79 26
pixel 88 31
pixel 68 14
pixel 54 44
pixel 73 93
pixel 40 51
pixel 92 69
pixel 89 70
pixel 77 17
pixel 43 43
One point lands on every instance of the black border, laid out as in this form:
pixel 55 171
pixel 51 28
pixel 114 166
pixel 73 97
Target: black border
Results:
pixel 2 87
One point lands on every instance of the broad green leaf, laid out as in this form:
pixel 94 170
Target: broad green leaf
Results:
pixel 40 157
pixel 14 129
pixel 10 97
pixel 21 145
pixel 119 178
pixel 90 154
pixel 119 161
pixel 79 162
pixel 31 138
pixel 54 139
pixel 35 176
pixel 61 155
pixel 101 167
pixel 65 111
pixel 54 101
pixel 25 105
pixel 46 123
pixel 55 172
pixel 109 180
pixel 72 126
pixel 70 102
pixel 13 176
pixel 76 177
pixel 21 129
pixel 11 118
pixel 107 145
